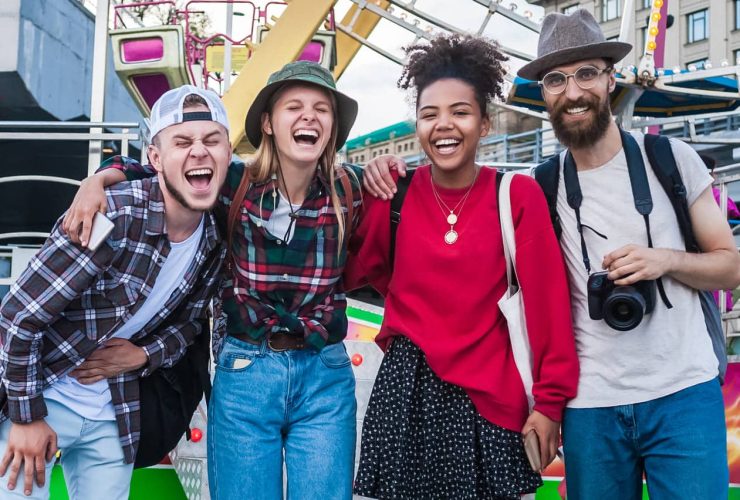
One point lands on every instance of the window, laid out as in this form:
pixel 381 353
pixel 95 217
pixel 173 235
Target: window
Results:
pixel 698 64
pixel 643 39
pixel 609 10
pixel 572 8
pixel 646 4
pixel 698 25
pixel 737 14
pixel 736 53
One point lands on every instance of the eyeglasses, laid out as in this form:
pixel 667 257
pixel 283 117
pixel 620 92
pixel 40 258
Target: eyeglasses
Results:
pixel 585 77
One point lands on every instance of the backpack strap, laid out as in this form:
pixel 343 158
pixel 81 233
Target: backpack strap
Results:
pixel 234 208
pixel 547 175
pixel 499 177
pixel 402 185
pixel 348 201
pixel 660 155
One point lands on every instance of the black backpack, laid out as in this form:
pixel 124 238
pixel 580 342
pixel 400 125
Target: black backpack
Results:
pixel 169 397
pixel 663 163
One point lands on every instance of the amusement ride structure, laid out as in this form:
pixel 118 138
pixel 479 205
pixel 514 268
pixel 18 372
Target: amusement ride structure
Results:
pixel 149 59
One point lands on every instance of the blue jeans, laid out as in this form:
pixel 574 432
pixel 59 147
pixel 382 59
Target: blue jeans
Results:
pixel 265 405
pixel 678 441
pixel 92 458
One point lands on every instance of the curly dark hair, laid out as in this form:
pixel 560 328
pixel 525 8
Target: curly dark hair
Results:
pixel 473 59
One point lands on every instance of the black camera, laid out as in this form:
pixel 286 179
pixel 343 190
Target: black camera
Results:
pixel 621 307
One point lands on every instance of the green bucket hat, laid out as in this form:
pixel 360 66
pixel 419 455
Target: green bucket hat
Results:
pixel 301 71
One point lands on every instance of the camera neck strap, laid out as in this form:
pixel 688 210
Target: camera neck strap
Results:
pixel 640 194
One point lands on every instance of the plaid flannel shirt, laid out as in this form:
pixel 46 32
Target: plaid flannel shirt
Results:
pixel 71 300
pixel 274 286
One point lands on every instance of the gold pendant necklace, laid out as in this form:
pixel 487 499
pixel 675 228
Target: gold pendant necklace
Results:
pixel 451 236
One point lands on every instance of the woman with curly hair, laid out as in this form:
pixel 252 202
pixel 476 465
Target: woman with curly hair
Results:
pixel 448 409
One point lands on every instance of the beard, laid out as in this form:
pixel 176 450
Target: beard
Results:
pixel 588 132
pixel 176 194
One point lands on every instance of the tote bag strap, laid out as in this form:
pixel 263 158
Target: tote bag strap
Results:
pixel 507 228
pixel 511 304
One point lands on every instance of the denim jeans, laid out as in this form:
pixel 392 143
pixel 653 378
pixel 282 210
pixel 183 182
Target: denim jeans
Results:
pixel 678 441
pixel 92 458
pixel 267 405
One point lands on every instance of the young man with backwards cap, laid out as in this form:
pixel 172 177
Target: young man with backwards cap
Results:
pixel 80 327
pixel 649 399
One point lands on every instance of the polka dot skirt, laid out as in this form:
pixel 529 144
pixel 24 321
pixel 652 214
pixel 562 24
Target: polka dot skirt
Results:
pixel 423 439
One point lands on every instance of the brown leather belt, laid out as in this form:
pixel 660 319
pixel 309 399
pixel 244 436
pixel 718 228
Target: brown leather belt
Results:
pixel 277 341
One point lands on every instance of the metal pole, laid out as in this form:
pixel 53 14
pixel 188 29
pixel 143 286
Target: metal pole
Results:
pixel 227 46
pixel 97 99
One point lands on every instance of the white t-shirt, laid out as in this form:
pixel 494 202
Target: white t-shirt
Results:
pixel 280 220
pixel 93 401
pixel 670 349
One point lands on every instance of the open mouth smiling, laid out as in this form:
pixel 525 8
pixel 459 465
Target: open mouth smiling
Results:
pixel 199 178
pixel 576 111
pixel 446 146
pixel 306 137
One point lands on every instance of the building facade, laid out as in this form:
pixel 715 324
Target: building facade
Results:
pixel 704 32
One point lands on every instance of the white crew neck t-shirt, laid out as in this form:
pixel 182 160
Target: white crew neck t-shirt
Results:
pixel 280 220
pixel 93 401
pixel 670 349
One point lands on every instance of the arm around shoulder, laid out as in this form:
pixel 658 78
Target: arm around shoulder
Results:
pixel 368 253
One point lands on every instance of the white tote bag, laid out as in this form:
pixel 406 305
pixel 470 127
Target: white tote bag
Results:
pixel 512 303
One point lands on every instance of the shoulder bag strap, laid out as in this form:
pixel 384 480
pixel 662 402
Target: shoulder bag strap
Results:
pixel 402 186
pixel 349 202
pixel 234 208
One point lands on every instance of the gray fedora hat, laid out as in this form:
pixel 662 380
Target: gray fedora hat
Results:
pixel 565 39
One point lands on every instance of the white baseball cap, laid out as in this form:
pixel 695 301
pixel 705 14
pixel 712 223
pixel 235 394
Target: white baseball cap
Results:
pixel 168 111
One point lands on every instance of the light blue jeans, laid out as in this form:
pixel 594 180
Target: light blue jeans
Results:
pixel 92 458
pixel 679 441
pixel 267 405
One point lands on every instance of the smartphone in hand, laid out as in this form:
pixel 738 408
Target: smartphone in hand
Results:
pixel 532 449
pixel 101 228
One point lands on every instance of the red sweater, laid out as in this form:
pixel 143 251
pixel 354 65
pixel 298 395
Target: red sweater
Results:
pixel 444 298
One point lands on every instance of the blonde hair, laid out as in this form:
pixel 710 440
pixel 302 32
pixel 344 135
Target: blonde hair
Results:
pixel 266 162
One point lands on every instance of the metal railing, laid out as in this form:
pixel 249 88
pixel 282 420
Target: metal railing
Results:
pixel 537 145
pixel 46 131
pixel 61 131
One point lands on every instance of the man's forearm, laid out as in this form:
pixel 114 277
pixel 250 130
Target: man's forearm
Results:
pixel 108 177
pixel 719 269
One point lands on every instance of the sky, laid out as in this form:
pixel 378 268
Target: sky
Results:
pixel 371 78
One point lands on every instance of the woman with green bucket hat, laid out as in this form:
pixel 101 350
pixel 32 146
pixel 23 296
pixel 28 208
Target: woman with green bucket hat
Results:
pixel 283 393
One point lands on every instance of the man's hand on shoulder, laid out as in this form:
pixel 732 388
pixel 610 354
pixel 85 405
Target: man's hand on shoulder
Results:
pixel 632 263
pixel 30 446
pixel 115 357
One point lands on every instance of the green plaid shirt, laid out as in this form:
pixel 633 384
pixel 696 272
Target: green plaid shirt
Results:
pixel 275 286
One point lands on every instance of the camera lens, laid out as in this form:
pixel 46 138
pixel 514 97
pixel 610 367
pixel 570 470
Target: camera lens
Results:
pixel 624 308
